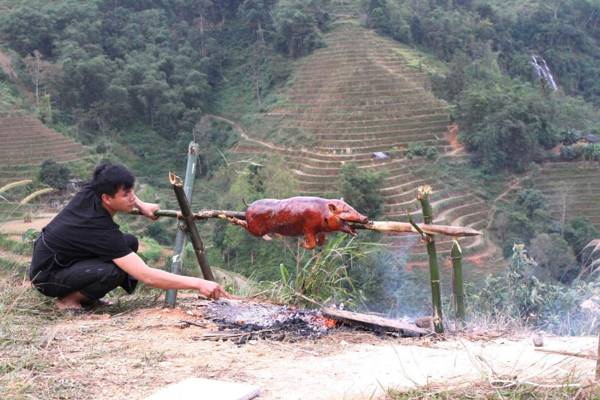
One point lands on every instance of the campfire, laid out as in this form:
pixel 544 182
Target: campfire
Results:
pixel 241 321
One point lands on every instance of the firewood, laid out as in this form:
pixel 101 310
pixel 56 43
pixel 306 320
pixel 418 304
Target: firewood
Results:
pixel 374 321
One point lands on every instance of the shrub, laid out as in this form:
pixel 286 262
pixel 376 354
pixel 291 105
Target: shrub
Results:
pixel 517 294
pixel 530 200
pixel 553 254
pixel 591 152
pixel 570 137
pixel 321 278
pixel 30 235
pixel 54 174
pixel 431 153
pixel 415 150
pixel 578 233
pixel 160 233
pixel 570 153
pixel 361 189
pixel 151 250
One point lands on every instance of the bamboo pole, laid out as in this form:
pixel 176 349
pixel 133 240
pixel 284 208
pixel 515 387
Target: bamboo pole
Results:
pixel 180 238
pixel 423 193
pixel 188 218
pixel 380 226
pixel 457 282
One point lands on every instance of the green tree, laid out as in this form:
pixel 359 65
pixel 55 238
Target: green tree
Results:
pixel 362 190
pixel 553 254
pixel 530 200
pixel 54 174
pixel 505 124
pixel 580 232
pixel 297 33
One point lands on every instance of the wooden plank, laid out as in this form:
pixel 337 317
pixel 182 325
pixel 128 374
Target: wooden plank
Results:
pixel 198 388
pixel 372 320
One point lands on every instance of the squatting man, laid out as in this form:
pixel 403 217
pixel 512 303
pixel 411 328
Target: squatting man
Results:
pixel 81 255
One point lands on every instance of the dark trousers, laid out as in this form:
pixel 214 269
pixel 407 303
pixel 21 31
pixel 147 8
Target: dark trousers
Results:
pixel 93 278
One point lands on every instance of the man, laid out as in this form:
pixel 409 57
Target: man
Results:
pixel 81 254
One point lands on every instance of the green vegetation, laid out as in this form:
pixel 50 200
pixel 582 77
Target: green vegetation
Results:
pixel 54 174
pixel 507 118
pixel 361 188
pixel 553 246
pixel 519 296
pixel 565 33
pixel 110 67
pixel 150 250
pixel 322 277
pixel 23 247
pixel 9 98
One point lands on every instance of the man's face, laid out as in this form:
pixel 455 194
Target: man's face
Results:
pixel 123 201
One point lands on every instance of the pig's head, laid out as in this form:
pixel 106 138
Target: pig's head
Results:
pixel 340 210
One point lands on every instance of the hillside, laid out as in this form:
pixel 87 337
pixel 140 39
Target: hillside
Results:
pixel 27 142
pixel 359 95
pixel 572 189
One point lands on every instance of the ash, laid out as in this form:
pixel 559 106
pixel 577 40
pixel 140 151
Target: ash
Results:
pixel 266 321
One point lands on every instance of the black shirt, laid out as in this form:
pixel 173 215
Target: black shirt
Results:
pixel 83 230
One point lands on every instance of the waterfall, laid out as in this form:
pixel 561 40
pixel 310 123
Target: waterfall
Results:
pixel 542 71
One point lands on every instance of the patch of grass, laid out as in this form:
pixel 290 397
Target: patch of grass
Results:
pixel 420 60
pixel 150 359
pixel 13 246
pixel 23 316
pixel 485 390
pixel 9 97
pixel 29 363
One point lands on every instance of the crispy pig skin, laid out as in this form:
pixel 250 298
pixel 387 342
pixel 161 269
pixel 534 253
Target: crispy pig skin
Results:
pixel 296 216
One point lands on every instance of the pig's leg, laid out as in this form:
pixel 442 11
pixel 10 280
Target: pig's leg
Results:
pixel 320 239
pixel 310 242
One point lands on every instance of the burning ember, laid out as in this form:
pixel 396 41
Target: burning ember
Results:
pixel 248 320
pixel 241 321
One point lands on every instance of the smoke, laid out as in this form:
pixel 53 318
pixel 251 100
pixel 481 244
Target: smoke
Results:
pixel 394 291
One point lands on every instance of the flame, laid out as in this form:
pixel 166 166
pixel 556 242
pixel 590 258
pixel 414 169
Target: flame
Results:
pixel 330 323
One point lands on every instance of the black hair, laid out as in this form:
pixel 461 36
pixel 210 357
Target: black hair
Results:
pixel 109 178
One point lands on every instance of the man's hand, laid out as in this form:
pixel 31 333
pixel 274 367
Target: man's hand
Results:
pixel 212 290
pixel 147 209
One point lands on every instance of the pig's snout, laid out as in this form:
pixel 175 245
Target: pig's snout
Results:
pixel 354 217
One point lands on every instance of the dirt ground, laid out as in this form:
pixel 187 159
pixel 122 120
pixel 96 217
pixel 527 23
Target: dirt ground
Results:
pixel 133 354
pixel 17 227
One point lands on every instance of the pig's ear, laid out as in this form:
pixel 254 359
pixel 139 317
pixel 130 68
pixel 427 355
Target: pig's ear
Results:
pixel 332 207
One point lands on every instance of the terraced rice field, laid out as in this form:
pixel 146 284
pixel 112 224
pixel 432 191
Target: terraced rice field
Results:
pixel 358 96
pixel 572 189
pixel 26 143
